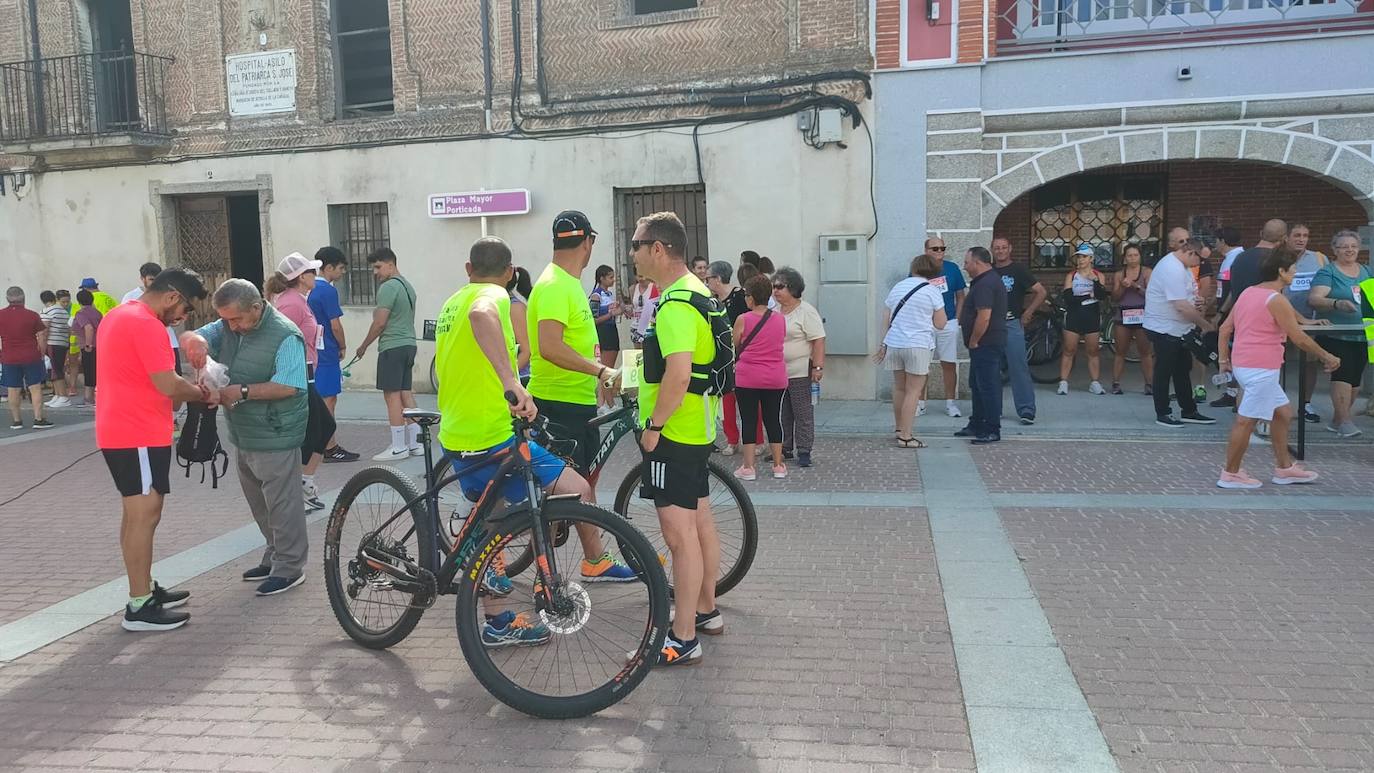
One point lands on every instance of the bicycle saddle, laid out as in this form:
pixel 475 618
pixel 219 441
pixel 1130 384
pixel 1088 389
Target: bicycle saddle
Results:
pixel 422 417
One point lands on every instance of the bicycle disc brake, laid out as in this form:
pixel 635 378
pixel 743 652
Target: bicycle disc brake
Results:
pixel 572 608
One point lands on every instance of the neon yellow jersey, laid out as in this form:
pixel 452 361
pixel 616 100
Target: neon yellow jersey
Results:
pixel 681 328
pixel 559 296
pixel 101 300
pixel 471 397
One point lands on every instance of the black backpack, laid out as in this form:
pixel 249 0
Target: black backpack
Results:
pixel 715 378
pixel 199 444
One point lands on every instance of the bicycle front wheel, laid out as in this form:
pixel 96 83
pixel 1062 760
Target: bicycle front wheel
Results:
pixel 369 605
pixel 732 508
pixel 588 650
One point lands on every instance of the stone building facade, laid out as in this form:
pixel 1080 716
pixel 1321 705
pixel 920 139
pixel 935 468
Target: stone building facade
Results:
pixel 145 147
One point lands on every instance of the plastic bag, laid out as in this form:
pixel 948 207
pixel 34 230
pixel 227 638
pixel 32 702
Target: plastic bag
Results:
pixel 213 376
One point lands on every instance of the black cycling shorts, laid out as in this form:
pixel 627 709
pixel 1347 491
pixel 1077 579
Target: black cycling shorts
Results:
pixel 675 474
pixel 568 422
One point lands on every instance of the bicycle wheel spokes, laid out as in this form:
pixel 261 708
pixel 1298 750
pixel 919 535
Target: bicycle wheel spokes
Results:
pixel 568 659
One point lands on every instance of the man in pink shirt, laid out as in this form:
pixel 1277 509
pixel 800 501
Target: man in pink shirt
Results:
pixel 133 428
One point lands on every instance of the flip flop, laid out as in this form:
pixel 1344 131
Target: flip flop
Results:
pixel 910 442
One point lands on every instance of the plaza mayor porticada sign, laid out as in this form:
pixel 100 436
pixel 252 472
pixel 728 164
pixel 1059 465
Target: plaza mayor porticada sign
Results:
pixel 262 82
pixel 480 203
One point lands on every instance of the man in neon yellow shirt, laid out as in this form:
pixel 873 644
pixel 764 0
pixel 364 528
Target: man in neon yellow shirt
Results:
pixel 679 427
pixel 475 360
pixel 565 372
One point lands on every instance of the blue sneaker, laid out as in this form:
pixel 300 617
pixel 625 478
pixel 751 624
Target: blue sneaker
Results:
pixel 497 583
pixel 606 569
pixel 511 630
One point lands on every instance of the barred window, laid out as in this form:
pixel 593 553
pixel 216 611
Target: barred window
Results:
pixel 1107 212
pixel 358 229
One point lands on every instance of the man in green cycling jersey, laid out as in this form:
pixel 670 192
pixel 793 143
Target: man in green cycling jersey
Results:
pixel 475 360
pixel 679 428
pixel 565 374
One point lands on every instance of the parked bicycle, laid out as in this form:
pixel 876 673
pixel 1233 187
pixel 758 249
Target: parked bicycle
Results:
pixel 731 506
pixel 388 558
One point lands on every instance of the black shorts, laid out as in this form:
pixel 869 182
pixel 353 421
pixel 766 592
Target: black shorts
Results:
pixel 608 337
pixel 88 367
pixel 58 356
pixel 675 474
pixel 568 422
pixel 319 424
pixel 1084 320
pixel 1354 358
pixel 139 471
pixel 394 368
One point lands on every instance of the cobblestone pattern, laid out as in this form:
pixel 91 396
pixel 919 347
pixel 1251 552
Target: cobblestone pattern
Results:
pixel 63 538
pixel 1213 641
pixel 827 666
pixel 1159 468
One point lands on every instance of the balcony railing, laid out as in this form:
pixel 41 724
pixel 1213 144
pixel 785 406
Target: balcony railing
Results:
pixel 1027 24
pixel 83 96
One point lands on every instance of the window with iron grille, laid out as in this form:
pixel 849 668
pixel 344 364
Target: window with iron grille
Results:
pixel 358 229
pixel 642 7
pixel 362 52
pixel 688 201
pixel 1106 212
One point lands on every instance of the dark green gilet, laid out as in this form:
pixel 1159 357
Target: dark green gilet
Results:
pixel 263 425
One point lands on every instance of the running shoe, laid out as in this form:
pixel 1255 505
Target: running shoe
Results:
pixel 1310 417
pixel 710 623
pixel 257 574
pixel 169 599
pixel 728 450
pixel 59 402
pixel 340 454
pixel 511 630
pixel 804 457
pixel 1116 389
pixel 1237 480
pixel 1347 429
pixel 416 450
pixel 1063 388
pixel 312 497
pixel 1027 420
pixel 779 471
pixel 1168 421
pixel 606 569
pixel 1200 393
pixel 921 408
pixel 1296 474
pixel 1096 388
pixel 676 653
pixel 392 455
pixel 746 473
pixel 1227 400
pixel 45 424
pixel 952 410
pixel 20 425
pixel 274 585
pixel 497 583
pixel 1196 418
pixel 152 617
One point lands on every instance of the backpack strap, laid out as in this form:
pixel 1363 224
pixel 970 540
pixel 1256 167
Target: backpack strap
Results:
pixel 767 312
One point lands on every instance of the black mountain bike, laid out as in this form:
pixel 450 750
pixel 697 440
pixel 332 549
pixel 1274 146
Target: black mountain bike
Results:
pixel 387 558
pixel 736 521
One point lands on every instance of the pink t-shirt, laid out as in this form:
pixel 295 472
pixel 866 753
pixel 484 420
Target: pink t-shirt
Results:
pixel 133 345
pixel 761 365
pixel 1259 339
pixel 293 305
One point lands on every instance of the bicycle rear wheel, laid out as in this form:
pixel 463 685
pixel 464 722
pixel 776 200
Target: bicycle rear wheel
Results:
pixel 599 642
pixel 732 508
pixel 368 603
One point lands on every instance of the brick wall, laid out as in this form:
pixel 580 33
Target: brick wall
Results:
pixel 1241 195
pixel 888 31
pixel 970 38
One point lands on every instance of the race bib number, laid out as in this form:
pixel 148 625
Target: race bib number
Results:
pixel 631 363
pixel 1301 283
pixel 1132 316
pixel 940 282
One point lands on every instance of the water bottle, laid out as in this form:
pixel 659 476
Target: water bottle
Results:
pixel 1222 378
pixel 815 392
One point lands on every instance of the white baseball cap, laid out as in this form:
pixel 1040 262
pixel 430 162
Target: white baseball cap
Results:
pixel 295 264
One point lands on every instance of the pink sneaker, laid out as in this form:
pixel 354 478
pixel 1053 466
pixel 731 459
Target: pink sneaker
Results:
pixel 746 473
pixel 1240 479
pixel 1294 474
pixel 779 471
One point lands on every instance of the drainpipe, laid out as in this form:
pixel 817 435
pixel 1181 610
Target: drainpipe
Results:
pixel 40 112
pixel 486 61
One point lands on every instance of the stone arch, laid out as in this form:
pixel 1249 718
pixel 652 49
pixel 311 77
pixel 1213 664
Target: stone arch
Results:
pixel 1340 164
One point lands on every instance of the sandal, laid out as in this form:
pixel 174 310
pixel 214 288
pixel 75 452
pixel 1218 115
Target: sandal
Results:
pixel 910 442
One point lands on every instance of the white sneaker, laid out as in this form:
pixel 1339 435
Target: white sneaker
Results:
pixel 417 451
pixel 59 402
pixel 1063 388
pixel 727 451
pixel 921 408
pixel 392 455
pixel 952 410
pixel 1096 388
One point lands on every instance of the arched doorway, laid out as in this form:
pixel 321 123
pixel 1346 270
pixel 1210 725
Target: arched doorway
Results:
pixel 1113 206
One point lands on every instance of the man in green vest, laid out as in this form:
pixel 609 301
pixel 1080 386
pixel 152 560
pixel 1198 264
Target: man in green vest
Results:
pixel 1367 316
pixel 266 407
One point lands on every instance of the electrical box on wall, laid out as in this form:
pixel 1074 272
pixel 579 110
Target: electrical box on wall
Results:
pixel 829 125
pixel 842 298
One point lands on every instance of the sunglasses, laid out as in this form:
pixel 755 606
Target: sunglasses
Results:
pixel 937 249
pixel 635 244
pixel 779 287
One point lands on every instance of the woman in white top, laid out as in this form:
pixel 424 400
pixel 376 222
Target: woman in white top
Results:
pixel 915 309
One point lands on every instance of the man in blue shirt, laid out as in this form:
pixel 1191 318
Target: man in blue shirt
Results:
pixel 324 302
pixel 952 284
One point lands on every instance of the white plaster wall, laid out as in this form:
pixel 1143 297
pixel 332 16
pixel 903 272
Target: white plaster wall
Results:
pixel 766 191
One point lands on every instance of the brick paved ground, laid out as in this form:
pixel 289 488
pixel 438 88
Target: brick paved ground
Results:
pixel 827 664
pixel 1213 640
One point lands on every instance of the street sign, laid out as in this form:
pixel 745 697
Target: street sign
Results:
pixel 479 203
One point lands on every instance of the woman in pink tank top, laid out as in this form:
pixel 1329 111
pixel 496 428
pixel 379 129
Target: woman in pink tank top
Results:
pixel 760 376
pixel 1261 321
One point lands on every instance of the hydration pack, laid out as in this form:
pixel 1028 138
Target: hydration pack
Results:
pixel 199 444
pixel 714 378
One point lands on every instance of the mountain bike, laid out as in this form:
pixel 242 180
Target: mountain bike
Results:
pixel 736 521
pixel 387 558
pixel 1044 342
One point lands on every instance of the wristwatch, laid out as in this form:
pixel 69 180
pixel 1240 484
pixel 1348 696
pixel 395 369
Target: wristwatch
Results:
pixel 649 425
pixel 243 391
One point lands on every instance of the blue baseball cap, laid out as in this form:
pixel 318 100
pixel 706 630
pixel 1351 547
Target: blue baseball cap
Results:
pixel 89 283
